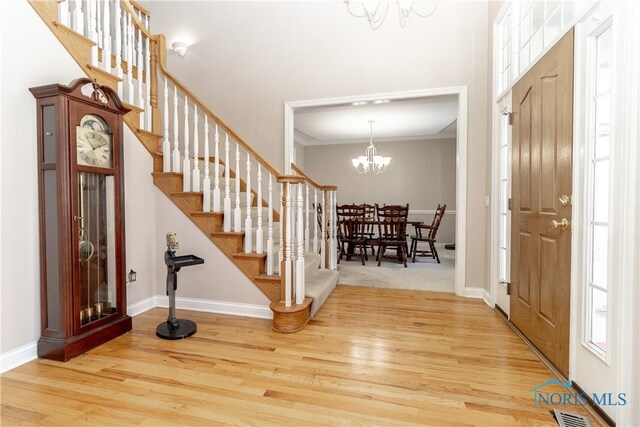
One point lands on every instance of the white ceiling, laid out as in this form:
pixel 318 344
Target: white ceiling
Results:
pixel 425 118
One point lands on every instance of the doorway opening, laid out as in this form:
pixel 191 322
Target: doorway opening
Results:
pixel 323 135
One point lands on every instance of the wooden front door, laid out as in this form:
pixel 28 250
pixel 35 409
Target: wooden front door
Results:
pixel 541 209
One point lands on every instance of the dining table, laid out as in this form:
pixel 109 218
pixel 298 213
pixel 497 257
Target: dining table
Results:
pixel 373 241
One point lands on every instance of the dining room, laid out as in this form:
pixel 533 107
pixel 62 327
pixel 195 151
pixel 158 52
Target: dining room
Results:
pixel 394 162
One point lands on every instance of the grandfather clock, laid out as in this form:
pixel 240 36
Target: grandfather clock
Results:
pixel 81 196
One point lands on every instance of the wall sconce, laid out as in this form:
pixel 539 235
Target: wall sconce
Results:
pixel 132 276
pixel 180 48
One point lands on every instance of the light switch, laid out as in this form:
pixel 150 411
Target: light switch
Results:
pixel 486 200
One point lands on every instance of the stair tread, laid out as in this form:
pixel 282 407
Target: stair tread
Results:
pixel 319 285
pixel 228 233
pixel 133 107
pixel 267 277
pixel 201 213
pixel 104 73
pixel 146 132
pixel 249 255
pixel 187 193
pixel 166 174
pixel 78 36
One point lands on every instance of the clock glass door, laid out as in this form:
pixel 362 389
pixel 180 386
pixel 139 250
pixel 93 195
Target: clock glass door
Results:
pixel 96 247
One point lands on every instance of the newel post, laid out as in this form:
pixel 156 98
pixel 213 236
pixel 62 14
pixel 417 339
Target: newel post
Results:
pixel 290 314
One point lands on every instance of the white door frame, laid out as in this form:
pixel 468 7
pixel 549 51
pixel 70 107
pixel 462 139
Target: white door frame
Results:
pixel 461 158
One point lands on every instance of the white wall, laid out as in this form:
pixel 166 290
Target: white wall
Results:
pixel 248 58
pixel 36 60
pixel 422 173
pixel 217 280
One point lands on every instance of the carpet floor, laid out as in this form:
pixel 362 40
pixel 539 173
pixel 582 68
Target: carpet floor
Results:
pixel 425 275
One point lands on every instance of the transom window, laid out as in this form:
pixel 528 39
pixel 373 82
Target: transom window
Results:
pixel 525 30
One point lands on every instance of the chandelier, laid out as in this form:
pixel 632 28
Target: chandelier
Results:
pixel 371 162
pixel 376 10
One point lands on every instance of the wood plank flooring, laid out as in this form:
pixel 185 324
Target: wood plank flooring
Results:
pixel 370 357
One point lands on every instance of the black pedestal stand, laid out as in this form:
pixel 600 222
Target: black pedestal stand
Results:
pixel 174 328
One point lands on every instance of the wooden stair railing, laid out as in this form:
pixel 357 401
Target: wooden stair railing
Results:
pixel 132 61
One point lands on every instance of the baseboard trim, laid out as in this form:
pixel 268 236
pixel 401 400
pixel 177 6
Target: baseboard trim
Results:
pixel 487 298
pixel 593 411
pixel 218 307
pixel 472 293
pixel 593 405
pixel 502 313
pixel 19 356
pixel 142 306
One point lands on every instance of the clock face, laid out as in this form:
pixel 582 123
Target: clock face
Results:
pixel 93 148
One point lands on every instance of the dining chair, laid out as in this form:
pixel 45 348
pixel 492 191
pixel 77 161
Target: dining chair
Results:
pixel 427 233
pixel 392 230
pixel 351 231
pixel 370 227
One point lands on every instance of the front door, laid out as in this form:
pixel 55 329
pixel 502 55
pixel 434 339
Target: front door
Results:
pixel 541 209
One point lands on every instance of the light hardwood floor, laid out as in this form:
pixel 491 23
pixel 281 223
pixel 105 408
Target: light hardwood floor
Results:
pixel 370 357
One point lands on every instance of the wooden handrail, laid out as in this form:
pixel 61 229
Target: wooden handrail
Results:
pixel 135 21
pixel 137 6
pixel 299 171
pixel 203 107
pixel 162 62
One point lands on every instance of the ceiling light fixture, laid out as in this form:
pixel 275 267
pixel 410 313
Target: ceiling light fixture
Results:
pixel 376 10
pixel 371 162
pixel 381 101
pixel 180 48
pixel 356 103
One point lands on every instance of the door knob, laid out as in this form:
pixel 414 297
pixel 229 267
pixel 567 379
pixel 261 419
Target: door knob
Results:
pixel 562 225
pixel 564 200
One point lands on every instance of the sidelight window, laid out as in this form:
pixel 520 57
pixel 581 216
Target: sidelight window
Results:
pixel 599 201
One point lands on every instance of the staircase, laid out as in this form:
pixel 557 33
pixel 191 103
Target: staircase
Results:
pixel 228 194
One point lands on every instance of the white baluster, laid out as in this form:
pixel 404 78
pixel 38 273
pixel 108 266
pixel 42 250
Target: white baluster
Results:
pixel 147 21
pixel 166 145
pixel 315 221
pixel 216 172
pixel 86 19
pixel 63 13
pixel 147 68
pixel 186 163
pixel 206 182
pixel 237 212
pixel 306 218
pixel 288 246
pixel 281 228
pixel 130 54
pixel 92 5
pixel 78 17
pixel 226 217
pixel 98 12
pixel 300 249
pixel 270 228
pixel 118 40
pixel 106 32
pixel 323 246
pixel 176 140
pixel 140 79
pixel 330 229
pixel 195 182
pixel 334 230
pixel 248 224
pixel 259 235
